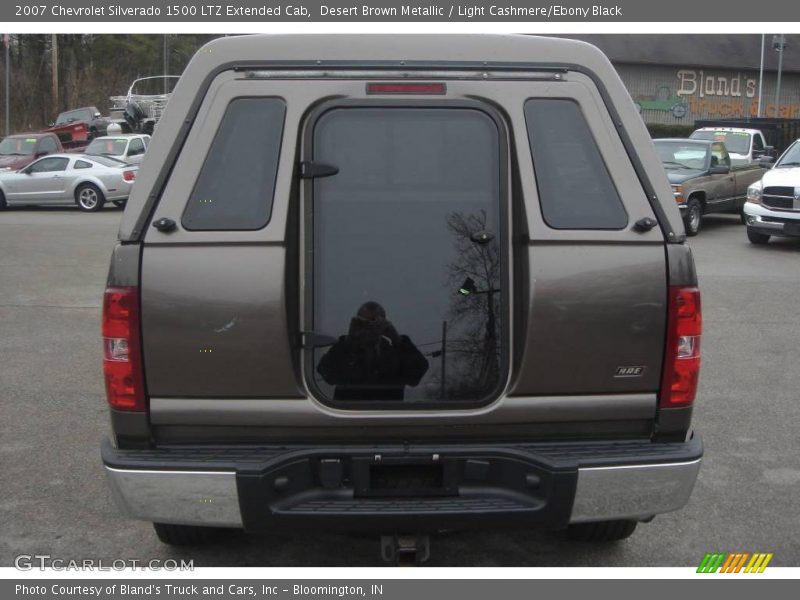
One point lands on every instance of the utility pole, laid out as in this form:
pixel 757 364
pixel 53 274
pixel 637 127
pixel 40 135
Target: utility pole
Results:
pixel 166 63
pixel 779 44
pixel 54 73
pixel 8 85
pixel 761 75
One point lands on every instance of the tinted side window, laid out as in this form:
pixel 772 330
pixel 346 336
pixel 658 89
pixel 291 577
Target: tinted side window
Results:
pixel 82 164
pixel 575 187
pixel 235 187
pixel 47 165
pixel 48 145
pixel 136 147
pixel 719 155
pixel 757 145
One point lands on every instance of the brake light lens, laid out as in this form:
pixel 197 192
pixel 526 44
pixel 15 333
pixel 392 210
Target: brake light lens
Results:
pixel 122 357
pixel 407 88
pixel 682 358
pixel 129 175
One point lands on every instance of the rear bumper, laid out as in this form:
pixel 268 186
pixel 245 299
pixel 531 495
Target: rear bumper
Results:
pixel 538 485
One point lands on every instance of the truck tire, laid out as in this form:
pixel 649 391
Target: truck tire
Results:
pixel 3 203
pixel 89 198
pixel 185 535
pixel 601 531
pixel 694 217
pixel 757 238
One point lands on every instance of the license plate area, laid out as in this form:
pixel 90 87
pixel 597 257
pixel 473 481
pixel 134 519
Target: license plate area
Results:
pixel 404 477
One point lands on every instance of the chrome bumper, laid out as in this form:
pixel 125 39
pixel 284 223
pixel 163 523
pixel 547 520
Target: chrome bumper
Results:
pixel 211 497
pixel 755 213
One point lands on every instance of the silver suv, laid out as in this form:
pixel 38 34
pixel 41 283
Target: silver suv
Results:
pixel 394 284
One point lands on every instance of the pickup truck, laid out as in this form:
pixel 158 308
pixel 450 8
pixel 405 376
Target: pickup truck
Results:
pixel 703 179
pixel 745 146
pixel 77 127
pixel 19 150
pixel 358 287
pixel 773 204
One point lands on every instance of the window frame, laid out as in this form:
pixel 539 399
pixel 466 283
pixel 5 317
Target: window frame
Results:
pixel 307 273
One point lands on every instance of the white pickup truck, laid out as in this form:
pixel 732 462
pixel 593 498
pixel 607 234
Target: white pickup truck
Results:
pixel 773 204
pixel 746 146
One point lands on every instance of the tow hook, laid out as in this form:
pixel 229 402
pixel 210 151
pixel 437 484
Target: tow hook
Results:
pixel 405 550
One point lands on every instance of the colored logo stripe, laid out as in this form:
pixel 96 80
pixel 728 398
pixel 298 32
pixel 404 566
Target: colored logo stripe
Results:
pixel 758 563
pixel 734 562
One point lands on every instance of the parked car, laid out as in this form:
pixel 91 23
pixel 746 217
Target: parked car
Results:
pixel 745 146
pixel 703 179
pixel 773 203
pixel 129 148
pixel 87 181
pixel 486 322
pixel 20 150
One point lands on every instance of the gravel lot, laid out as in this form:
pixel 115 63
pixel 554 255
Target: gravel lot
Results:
pixel 53 264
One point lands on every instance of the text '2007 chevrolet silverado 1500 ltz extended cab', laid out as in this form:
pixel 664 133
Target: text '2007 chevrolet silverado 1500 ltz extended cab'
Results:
pixel 393 284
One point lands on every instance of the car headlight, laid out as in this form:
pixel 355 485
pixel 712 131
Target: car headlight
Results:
pixel 677 191
pixel 754 192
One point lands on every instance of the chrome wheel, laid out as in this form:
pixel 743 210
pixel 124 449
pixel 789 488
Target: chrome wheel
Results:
pixel 89 198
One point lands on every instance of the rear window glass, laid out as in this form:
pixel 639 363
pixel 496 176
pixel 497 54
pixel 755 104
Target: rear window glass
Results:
pixel 236 184
pixel 575 188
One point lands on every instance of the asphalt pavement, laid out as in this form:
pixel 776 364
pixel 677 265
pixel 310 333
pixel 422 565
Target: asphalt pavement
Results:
pixel 53 498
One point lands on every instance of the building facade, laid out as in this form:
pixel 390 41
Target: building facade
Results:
pixel 677 79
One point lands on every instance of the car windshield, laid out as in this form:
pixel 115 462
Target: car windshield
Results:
pixel 107 147
pixel 682 155
pixel 737 142
pixel 790 158
pixel 17 145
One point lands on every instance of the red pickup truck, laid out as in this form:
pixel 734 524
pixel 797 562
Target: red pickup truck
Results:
pixel 20 150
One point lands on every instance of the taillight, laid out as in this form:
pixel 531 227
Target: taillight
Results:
pixel 129 175
pixel 122 357
pixel 682 358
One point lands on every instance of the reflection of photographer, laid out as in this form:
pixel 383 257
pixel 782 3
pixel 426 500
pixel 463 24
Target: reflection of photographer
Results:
pixel 372 362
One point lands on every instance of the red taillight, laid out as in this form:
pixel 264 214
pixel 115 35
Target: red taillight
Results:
pixel 122 357
pixel 406 88
pixel 129 175
pixel 682 358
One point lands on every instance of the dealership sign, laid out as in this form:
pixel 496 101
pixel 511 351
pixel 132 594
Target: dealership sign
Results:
pixel 698 93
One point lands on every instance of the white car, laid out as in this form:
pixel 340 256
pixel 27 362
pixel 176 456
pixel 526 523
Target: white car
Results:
pixel 773 204
pixel 129 148
pixel 58 179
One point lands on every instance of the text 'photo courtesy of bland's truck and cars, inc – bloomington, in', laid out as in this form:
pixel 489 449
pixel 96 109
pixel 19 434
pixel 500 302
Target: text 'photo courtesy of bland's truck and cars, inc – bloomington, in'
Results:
pixel 415 301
